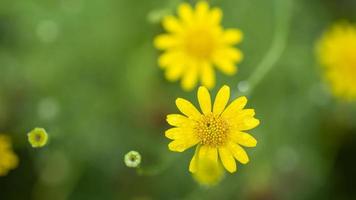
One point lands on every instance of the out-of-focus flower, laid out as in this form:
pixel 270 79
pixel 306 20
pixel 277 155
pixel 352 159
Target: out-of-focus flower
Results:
pixel 209 173
pixel 132 159
pixel 38 137
pixel 8 159
pixel 195 43
pixel 337 54
pixel 218 130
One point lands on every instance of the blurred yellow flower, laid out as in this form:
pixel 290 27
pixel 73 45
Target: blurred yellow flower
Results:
pixel 8 159
pixel 209 173
pixel 196 42
pixel 38 137
pixel 337 54
pixel 217 130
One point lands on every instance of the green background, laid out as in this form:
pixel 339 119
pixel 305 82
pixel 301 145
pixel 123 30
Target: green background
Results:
pixel 87 72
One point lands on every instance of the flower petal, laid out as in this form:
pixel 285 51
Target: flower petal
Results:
pixel 190 78
pixel 179 133
pixel 185 12
pixel 215 15
pixel 209 153
pixel 238 152
pixel 178 120
pixel 232 36
pixel 207 75
pixel 236 106
pixel 170 58
pixel 229 54
pixel 174 72
pixel 171 24
pixel 182 144
pixel 243 120
pixel 243 139
pixel 187 108
pixel 165 41
pixel 201 10
pixel 193 166
pixel 227 159
pixel 227 67
pixel 249 124
pixel 204 100
pixel 221 100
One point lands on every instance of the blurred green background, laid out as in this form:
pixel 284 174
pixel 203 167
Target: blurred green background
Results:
pixel 87 72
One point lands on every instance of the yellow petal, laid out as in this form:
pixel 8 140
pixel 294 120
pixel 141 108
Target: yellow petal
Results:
pixel 227 159
pixel 171 24
pixel 190 78
pixel 201 10
pixel 243 139
pixel 182 144
pixel 209 153
pixel 174 72
pixel 185 12
pixel 236 106
pixel 165 41
pixel 249 124
pixel 187 108
pixel 178 120
pixel 227 67
pixel 232 36
pixel 179 133
pixel 215 15
pixel 169 58
pixel 243 120
pixel 221 100
pixel 204 100
pixel 193 166
pixel 229 54
pixel 207 75
pixel 238 152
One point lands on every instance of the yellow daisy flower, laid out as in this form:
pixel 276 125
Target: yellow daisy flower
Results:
pixel 337 55
pixel 8 159
pixel 38 137
pixel 217 130
pixel 196 42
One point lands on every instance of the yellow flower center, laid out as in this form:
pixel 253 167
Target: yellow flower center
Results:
pixel 199 43
pixel 212 130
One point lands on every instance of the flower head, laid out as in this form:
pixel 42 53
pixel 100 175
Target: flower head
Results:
pixel 38 137
pixel 195 43
pixel 336 51
pixel 132 159
pixel 8 159
pixel 217 130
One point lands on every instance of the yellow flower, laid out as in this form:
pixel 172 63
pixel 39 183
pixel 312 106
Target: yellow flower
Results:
pixel 8 159
pixel 195 43
pixel 38 137
pixel 209 173
pixel 218 129
pixel 337 54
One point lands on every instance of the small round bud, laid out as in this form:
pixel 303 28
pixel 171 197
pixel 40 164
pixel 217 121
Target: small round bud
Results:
pixel 38 137
pixel 132 159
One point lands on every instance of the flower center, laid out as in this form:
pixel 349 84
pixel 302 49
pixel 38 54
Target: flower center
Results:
pixel 212 130
pixel 199 43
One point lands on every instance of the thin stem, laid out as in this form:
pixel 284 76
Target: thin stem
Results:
pixel 282 16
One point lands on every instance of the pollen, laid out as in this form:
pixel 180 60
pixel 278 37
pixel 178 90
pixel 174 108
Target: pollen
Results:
pixel 212 130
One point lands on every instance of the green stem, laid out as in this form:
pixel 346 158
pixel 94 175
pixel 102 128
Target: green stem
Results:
pixel 282 16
